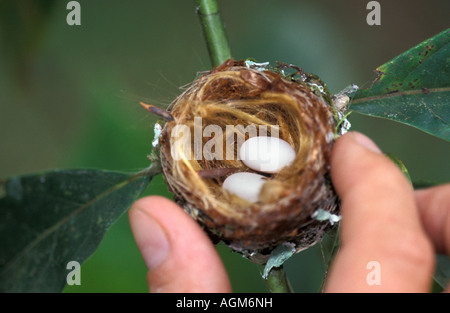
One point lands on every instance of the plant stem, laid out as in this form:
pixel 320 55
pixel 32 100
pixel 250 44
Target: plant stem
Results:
pixel 277 281
pixel 214 31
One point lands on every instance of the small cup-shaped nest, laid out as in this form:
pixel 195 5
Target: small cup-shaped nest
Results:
pixel 200 148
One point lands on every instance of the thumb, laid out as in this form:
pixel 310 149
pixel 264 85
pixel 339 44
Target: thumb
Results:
pixel 380 223
pixel 179 255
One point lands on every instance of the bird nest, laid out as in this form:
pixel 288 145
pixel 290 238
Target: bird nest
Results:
pixel 199 148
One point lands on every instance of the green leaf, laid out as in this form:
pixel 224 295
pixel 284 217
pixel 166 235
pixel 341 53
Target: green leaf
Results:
pixel 442 273
pixel 413 88
pixel 51 218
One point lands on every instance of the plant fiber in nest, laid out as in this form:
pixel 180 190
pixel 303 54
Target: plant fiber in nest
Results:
pixel 233 94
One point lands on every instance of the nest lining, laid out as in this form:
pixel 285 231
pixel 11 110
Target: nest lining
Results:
pixel 228 98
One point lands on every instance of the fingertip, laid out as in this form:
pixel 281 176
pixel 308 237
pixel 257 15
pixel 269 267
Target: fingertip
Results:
pixel 380 221
pixel 352 157
pixel 151 204
pixel 191 263
pixel 353 139
pixel 365 142
pixel 351 143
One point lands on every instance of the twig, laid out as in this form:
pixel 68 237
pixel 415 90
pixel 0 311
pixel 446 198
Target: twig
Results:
pixel 214 31
pixel 157 111
pixel 277 281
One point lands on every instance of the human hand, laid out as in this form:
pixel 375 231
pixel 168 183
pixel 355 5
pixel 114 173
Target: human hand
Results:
pixel 179 255
pixel 383 220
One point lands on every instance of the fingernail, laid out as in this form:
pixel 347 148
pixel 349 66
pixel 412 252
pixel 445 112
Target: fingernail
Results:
pixel 150 238
pixel 366 142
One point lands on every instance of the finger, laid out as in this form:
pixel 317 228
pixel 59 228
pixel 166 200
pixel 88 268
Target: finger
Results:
pixel 434 210
pixel 179 255
pixel 383 246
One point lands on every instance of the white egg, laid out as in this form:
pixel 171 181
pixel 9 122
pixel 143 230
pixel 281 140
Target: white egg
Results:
pixel 244 185
pixel 266 154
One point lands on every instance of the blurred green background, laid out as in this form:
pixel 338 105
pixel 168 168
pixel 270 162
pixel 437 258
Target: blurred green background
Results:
pixel 69 95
